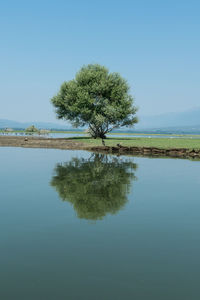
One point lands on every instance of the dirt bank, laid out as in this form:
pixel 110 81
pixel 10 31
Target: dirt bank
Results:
pixel 150 152
pixel 62 143
pixel 39 142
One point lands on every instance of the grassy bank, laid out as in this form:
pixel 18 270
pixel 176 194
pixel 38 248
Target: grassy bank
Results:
pixel 154 147
pixel 189 142
pixel 164 143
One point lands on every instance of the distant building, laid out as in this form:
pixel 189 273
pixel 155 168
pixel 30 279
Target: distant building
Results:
pixel 9 130
pixel 44 131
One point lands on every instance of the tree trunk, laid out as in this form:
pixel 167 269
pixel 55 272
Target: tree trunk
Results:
pixel 97 132
pixel 99 135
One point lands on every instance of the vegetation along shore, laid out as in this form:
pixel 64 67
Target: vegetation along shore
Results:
pixel 183 148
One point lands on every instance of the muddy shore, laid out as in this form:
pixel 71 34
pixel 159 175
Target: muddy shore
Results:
pixel 62 143
pixel 39 142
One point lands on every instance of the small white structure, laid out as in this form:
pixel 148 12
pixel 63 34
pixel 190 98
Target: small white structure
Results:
pixel 9 130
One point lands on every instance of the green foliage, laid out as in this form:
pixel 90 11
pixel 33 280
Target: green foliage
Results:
pixel 95 186
pixel 96 98
pixel 31 129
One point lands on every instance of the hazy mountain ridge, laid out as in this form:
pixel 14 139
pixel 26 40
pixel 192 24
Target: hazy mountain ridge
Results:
pixel 181 122
pixel 41 125
pixel 174 119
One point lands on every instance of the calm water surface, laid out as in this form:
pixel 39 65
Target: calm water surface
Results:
pixel 74 225
pixel 70 135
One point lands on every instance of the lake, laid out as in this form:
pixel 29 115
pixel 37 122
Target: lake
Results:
pixel 125 135
pixel 78 225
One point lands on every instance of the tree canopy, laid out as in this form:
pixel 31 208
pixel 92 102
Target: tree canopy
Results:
pixel 95 186
pixel 96 98
pixel 31 129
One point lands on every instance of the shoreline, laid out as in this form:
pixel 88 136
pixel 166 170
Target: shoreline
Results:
pixel 70 144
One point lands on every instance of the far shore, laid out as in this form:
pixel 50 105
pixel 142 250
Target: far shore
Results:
pixel 113 146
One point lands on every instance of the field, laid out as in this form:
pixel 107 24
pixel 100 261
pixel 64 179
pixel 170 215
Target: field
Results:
pixel 164 143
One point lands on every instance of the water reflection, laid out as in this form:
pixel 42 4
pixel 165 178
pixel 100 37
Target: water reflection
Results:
pixel 95 186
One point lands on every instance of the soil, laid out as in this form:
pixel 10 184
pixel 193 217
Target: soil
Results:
pixel 39 142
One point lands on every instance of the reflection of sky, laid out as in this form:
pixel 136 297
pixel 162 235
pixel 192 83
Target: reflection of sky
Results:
pixel 122 256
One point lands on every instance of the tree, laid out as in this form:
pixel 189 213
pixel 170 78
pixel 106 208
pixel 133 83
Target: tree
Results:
pixel 95 186
pixel 96 98
pixel 31 129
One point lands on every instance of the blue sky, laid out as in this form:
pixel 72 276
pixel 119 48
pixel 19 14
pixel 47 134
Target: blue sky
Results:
pixel 155 45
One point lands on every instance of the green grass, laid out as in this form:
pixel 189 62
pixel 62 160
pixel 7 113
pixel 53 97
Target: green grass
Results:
pixel 154 134
pixel 164 143
pixel 14 131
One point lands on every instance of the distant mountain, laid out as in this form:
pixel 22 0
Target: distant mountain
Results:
pixel 40 125
pixel 164 130
pixel 174 119
pixel 181 122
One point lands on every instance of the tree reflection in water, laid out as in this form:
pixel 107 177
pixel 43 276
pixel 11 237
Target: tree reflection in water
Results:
pixel 95 186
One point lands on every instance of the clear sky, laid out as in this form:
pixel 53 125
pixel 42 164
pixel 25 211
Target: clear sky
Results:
pixel 154 44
